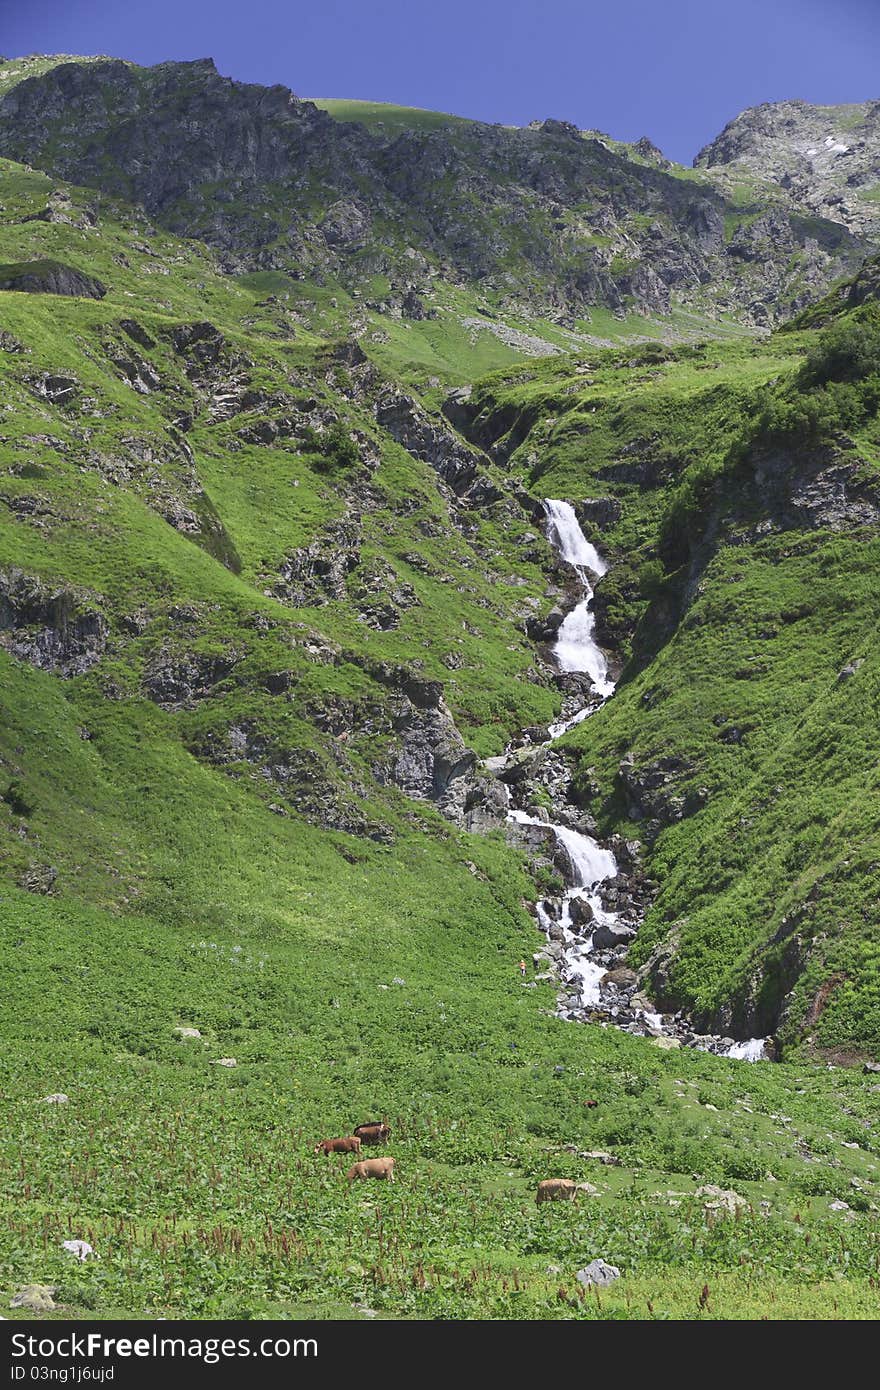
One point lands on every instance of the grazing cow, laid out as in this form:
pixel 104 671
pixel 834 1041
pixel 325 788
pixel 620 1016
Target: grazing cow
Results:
pixel 560 1190
pixel 349 1145
pixel 376 1132
pixel 372 1168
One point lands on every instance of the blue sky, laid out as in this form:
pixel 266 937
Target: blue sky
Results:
pixel 676 70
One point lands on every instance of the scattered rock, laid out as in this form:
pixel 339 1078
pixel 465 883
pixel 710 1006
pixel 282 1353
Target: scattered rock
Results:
pixel 36 1297
pixel 57 1098
pixel 224 1062
pixel 39 878
pixel 188 1032
pixel 722 1199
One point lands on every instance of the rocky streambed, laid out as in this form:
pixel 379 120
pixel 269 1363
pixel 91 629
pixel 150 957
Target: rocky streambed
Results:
pixel 590 925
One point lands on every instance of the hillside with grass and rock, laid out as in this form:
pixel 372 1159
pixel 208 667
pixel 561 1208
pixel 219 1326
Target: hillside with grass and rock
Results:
pixel 419 556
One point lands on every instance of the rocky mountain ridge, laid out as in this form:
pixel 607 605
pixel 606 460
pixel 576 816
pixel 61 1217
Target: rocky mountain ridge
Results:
pixel 821 159
pixel 548 215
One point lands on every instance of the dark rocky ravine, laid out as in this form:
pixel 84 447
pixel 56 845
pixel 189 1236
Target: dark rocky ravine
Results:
pixel 589 927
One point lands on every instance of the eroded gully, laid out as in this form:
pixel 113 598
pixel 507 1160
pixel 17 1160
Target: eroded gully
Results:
pixel 587 933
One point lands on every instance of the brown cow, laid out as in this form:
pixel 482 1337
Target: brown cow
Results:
pixel 376 1132
pixel 350 1145
pixel 372 1168
pixel 561 1190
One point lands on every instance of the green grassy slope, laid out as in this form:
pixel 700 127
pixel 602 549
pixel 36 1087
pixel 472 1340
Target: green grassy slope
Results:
pixel 153 880
pixel 386 114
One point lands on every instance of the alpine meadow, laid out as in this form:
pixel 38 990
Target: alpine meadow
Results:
pixel 439 688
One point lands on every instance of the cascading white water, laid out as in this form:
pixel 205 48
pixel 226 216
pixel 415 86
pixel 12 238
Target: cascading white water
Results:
pixel 590 865
pixel 752 1050
pixel 564 531
pixel 576 648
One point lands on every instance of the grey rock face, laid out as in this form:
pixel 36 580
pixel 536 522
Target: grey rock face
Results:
pixel 50 277
pixel 821 158
pixel 53 628
pixel 601 512
pixel 175 680
pixel 318 572
pixel 456 464
pixel 651 790
pixel 819 489
pixel 322 787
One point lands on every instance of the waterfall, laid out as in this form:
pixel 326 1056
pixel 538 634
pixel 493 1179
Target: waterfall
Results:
pixel 576 648
pixel 585 965
pixel 590 866
pixel 564 531
pixel 752 1050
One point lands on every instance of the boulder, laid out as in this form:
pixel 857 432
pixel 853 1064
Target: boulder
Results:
pixel 597 1274
pixel 608 935
pixel 38 1298
pixel 545 629
pixel 621 978
pixel 581 912
pixel 721 1199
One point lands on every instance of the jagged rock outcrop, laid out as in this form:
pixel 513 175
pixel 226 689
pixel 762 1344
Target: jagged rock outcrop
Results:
pixel 321 786
pixel 456 464
pixel 824 159
pixel 821 489
pixel 429 760
pixel 50 277
pixel 53 627
pixel 380 596
pixel 317 573
pixel 178 679
pixel 654 794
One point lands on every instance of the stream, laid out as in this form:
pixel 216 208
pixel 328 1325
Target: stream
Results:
pixel 587 940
